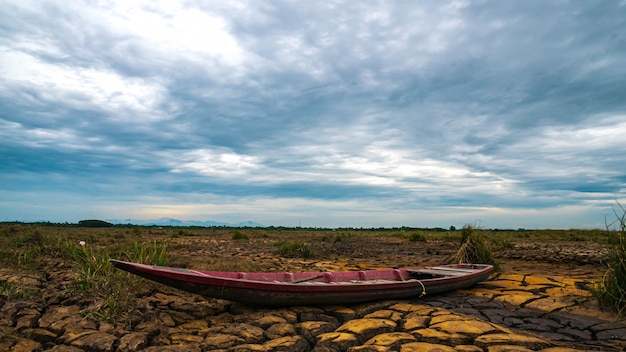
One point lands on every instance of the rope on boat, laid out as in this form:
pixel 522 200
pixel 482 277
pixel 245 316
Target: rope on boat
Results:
pixel 423 289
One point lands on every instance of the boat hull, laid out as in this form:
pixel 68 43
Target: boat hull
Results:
pixel 314 288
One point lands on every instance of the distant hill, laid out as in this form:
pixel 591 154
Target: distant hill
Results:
pixel 176 222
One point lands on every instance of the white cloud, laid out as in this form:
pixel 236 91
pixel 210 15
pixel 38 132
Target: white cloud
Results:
pixel 219 163
pixel 80 88
pixel 170 28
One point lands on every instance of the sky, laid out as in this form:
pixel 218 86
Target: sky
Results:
pixel 501 114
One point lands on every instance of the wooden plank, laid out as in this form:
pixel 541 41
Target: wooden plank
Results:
pixel 465 270
pixel 436 272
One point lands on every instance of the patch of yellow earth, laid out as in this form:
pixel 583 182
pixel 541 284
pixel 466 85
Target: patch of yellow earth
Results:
pixel 479 292
pixel 559 349
pixel 536 287
pixel 287 343
pixel 432 335
pixel 391 339
pixel 425 347
pixel 548 304
pixel 248 347
pixel 510 277
pixel 516 298
pixel 508 348
pixel 268 320
pixel 590 310
pixel 367 328
pixel 467 348
pixel 71 336
pixel 222 341
pixel 444 317
pixel 415 321
pixel 413 308
pixel 370 348
pixel 567 291
pixel 385 314
pixel 570 281
pixel 485 341
pixel 181 338
pixel 337 340
pixel 465 327
pixel 26 345
pixel 506 285
pixel 195 325
pixel 280 330
pixel 342 313
pixel 538 280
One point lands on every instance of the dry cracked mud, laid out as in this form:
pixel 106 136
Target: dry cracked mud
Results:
pixel 540 302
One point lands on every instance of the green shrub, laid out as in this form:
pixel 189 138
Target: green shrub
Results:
pixel 611 289
pixel 295 248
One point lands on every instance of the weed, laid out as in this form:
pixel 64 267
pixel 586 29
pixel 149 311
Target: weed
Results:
pixel 294 248
pixel 611 289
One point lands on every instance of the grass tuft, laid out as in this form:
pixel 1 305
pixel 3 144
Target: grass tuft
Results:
pixel 474 249
pixel 294 249
pixel 112 289
pixel 610 291
pixel 15 291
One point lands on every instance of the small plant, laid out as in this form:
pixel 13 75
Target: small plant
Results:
pixel 474 249
pixel 14 291
pixel 238 235
pixel 294 249
pixel 611 289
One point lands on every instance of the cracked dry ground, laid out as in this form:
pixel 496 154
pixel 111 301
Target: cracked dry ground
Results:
pixel 540 302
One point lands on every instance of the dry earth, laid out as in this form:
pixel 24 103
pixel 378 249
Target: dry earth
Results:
pixel 540 302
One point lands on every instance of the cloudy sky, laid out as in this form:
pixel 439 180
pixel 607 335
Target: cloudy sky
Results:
pixel 505 114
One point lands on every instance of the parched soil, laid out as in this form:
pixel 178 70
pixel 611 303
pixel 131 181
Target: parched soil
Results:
pixel 539 301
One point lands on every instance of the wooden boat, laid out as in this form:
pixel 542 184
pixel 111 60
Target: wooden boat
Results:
pixel 314 288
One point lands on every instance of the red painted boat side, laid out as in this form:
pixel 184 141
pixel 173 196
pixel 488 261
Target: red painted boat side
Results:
pixel 312 288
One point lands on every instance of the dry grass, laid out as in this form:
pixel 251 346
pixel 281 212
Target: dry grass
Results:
pixel 474 249
pixel 611 290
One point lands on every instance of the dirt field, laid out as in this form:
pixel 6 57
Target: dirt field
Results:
pixel 35 286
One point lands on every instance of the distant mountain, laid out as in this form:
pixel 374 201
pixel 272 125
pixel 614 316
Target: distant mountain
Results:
pixel 176 222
